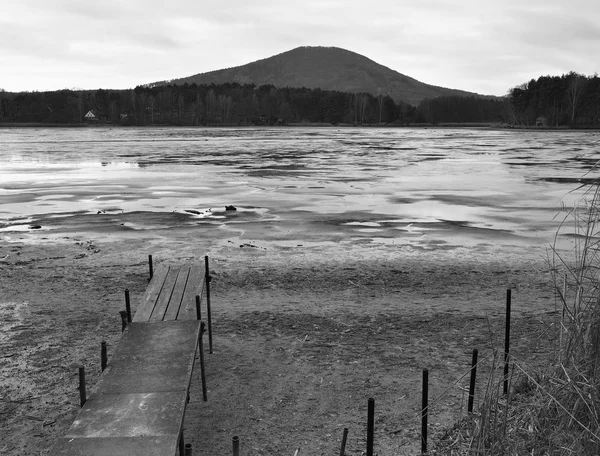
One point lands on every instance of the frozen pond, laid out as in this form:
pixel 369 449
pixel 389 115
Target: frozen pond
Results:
pixel 426 187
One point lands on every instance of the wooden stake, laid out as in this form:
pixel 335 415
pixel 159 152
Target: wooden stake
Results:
pixel 202 374
pixel 370 426
pixel 507 340
pixel 207 279
pixel 424 411
pixel 344 439
pixel 127 305
pixel 150 268
pixel 123 314
pixel 236 445
pixel 188 449
pixel 472 383
pixel 82 393
pixel 198 311
pixel 103 356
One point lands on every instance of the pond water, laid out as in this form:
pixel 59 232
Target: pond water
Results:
pixel 424 186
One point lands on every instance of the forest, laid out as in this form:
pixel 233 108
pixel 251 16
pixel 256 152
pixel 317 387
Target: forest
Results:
pixel 571 100
pixel 568 100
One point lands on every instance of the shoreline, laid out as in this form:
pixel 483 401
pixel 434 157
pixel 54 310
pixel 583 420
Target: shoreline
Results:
pixel 298 332
pixel 448 125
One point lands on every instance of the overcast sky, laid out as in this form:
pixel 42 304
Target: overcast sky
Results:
pixel 476 45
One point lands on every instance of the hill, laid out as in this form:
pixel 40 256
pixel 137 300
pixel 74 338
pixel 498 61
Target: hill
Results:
pixel 328 68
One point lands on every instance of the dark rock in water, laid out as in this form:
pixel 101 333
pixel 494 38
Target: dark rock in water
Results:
pixel 191 211
pixel 230 208
pixel 35 227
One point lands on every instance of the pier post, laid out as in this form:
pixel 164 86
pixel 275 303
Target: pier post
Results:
pixel 507 340
pixel 424 411
pixel 123 314
pixel 370 426
pixel 82 392
pixel 472 382
pixel 150 267
pixel 207 279
pixel 103 356
pixel 344 439
pixel 202 374
pixel 127 305
pixel 235 441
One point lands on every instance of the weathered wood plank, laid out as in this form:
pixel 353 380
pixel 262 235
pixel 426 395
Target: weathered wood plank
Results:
pixel 195 286
pixel 138 406
pixel 165 295
pixel 178 291
pixel 115 446
pixel 159 337
pixel 141 364
pixel 145 308
pixel 130 415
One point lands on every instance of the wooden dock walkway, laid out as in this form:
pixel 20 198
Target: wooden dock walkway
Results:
pixel 138 405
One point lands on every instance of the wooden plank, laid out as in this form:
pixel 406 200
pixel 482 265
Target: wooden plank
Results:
pixel 195 286
pixel 178 291
pixel 144 310
pixel 115 446
pixel 159 337
pixel 130 415
pixel 165 295
pixel 155 373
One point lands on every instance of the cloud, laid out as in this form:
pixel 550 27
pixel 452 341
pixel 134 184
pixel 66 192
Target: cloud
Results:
pixel 476 45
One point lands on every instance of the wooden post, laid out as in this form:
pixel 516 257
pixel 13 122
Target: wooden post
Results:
pixel 188 449
pixel 370 426
pixel 236 445
pixel 202 374
pixel 424 406
pixel 507 340
pixel 82 393
pixel 344 439
pixel 198 311
pixel 127 305
pixel 103 356
pixel 472 382
pixel 123 314
pixel 150 268
pixel 181 444
pixel 207 279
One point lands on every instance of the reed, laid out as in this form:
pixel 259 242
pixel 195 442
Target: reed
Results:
pixel 555 411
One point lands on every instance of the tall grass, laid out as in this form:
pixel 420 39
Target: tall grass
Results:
pixel 555 411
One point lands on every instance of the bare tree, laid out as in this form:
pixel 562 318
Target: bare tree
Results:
pixel 576 87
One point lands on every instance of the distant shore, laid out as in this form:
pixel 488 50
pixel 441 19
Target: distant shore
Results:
pixel 494 126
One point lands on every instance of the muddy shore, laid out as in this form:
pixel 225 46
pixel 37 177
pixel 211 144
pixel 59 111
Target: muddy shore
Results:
pixel 304 333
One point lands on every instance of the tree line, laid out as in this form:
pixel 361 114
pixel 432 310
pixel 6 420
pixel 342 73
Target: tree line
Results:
pixel 568 100
pixel 235 104
pixel 571 100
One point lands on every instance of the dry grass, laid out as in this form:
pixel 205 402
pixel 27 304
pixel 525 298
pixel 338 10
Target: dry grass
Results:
pixel 555 411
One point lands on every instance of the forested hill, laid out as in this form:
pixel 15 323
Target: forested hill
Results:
pixel 327 68
pixel 550 101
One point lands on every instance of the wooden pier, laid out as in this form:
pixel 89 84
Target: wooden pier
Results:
pixel 138 405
